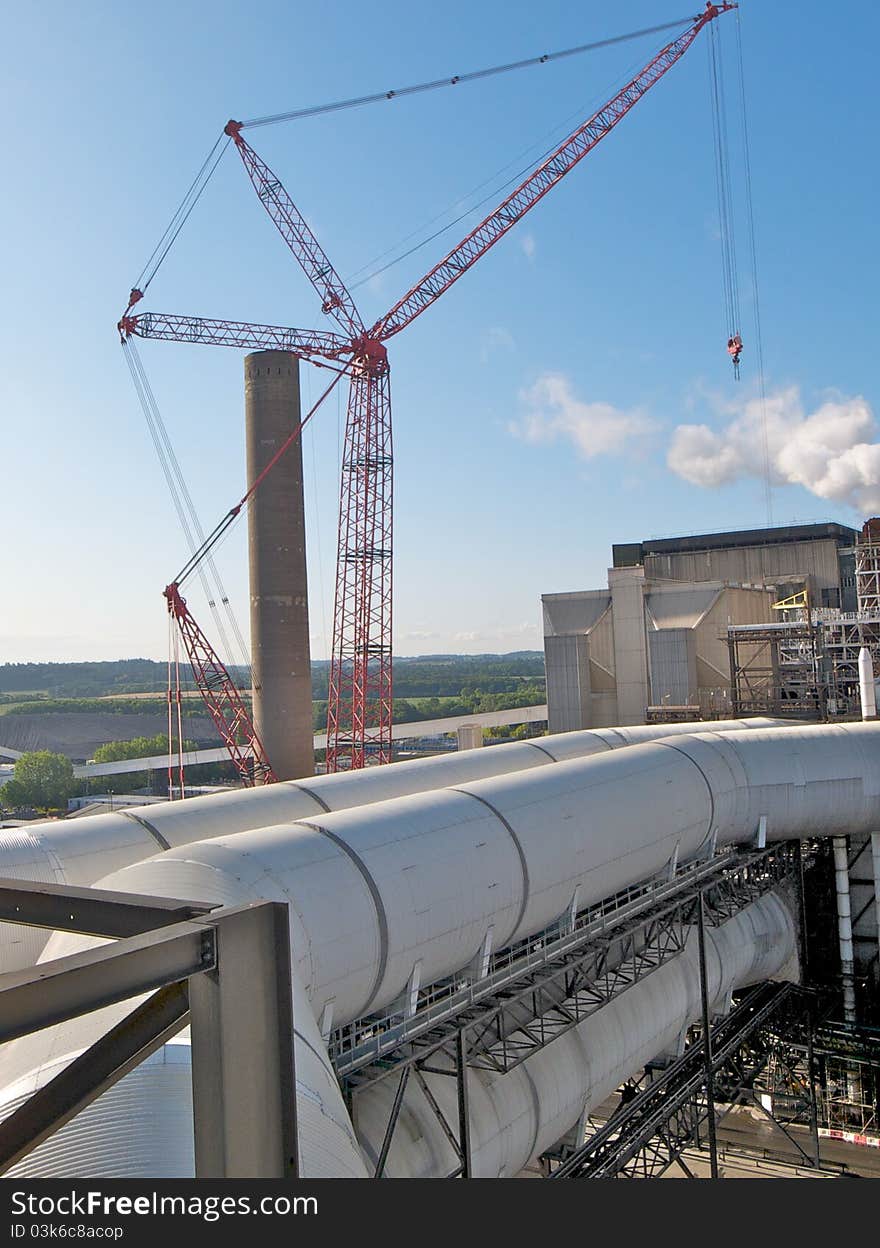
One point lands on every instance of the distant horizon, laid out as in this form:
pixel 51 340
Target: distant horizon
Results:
pixel 404 658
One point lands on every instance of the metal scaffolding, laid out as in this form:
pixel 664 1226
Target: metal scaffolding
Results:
pixel 535 992
pixel 643 1137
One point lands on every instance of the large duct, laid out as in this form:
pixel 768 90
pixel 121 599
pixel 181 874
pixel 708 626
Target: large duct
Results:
pixel 80 851
pixel 421 882
pixel 142 1127
pixel 519 1115
pixel 282 678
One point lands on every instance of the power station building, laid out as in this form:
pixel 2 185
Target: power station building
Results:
pixel 655 641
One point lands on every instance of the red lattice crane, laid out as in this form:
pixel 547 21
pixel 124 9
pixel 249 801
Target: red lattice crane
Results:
pixel 221 696
pixel 360 696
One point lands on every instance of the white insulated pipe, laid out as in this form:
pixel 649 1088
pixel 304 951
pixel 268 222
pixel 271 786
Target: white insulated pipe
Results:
pixel 867 689
pixel 374 891
pixel 422 880
pixel 519 1115
pixel 142 1127
pixel 80 851
pixel 840 847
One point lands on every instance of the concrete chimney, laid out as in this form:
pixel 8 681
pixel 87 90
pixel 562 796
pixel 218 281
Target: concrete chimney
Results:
pixel 282 681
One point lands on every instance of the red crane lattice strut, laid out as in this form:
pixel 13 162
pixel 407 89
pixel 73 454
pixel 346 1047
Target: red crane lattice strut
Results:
pixel 360 706
pixel 221 696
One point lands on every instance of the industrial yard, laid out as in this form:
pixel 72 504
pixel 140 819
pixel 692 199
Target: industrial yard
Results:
pixel 450 829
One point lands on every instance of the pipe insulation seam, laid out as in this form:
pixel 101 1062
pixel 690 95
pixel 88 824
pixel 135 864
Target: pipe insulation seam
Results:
pixel 84 849
pixel 381 916
pixel 145 823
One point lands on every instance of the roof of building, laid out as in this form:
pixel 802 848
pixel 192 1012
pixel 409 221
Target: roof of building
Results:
pixel 628 554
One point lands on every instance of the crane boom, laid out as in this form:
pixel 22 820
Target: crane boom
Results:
pixel 292 226
pixel 314 344
pixel 221 697
pixel 444 274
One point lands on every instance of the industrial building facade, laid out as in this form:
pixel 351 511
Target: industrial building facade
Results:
pixel 656 639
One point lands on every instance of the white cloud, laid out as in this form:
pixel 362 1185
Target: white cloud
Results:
pixel 829 451
pixel 528 244
pixel 494 339
pixel 554 412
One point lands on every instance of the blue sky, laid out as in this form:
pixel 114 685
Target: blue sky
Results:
pixel 570 392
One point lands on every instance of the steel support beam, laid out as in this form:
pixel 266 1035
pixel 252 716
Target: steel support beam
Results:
pixel 651 1131
pixel 52 992
pixel 707 1037
pixel 464 1118
pixel 91 911
pixel 93 1072
pixel 392 1123
pixel 244 1086
pixel 237 964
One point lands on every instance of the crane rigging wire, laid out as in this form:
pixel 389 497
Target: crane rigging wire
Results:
pixel 753 257
pixel 724 190
pixel 455 80
pixel 220 530
pixel 183 503
pixel 212 160
pixel 732 311
pixel 181 215
pixel 498 188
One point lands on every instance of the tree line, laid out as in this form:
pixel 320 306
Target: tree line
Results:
pixel 45 781
pixel 424 676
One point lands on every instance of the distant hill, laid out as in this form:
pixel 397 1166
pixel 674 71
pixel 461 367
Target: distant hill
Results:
pixel 430 675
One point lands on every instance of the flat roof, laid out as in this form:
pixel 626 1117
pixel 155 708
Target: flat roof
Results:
pixel 625 554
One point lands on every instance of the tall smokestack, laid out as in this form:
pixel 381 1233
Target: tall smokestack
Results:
pixel 277 555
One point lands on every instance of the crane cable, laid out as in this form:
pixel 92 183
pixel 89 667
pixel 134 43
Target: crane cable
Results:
pixel 212 160
pixel 183 503
pixel 182 213
pixel 723 188
pixel 455 80
pixel 544 146
pixel 753 257
pixel 729 264
pixel 221 529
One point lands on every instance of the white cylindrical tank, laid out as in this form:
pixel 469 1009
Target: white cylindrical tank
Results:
pixel 424 879
pixel 421 879
pixel 80 851
pixel 143 1125
pixel 519 1115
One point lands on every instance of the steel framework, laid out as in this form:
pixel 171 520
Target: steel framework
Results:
pixel 644 1137
pixel 224 970
pixel 359 713
pixel 530 995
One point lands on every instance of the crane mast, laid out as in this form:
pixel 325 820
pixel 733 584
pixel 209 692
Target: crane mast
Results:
pixel 359 713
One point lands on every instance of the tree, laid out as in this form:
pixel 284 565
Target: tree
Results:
pixel 147 747
pixel 41 780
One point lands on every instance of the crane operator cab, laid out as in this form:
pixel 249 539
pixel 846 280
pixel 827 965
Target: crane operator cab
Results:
pixel 734 350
